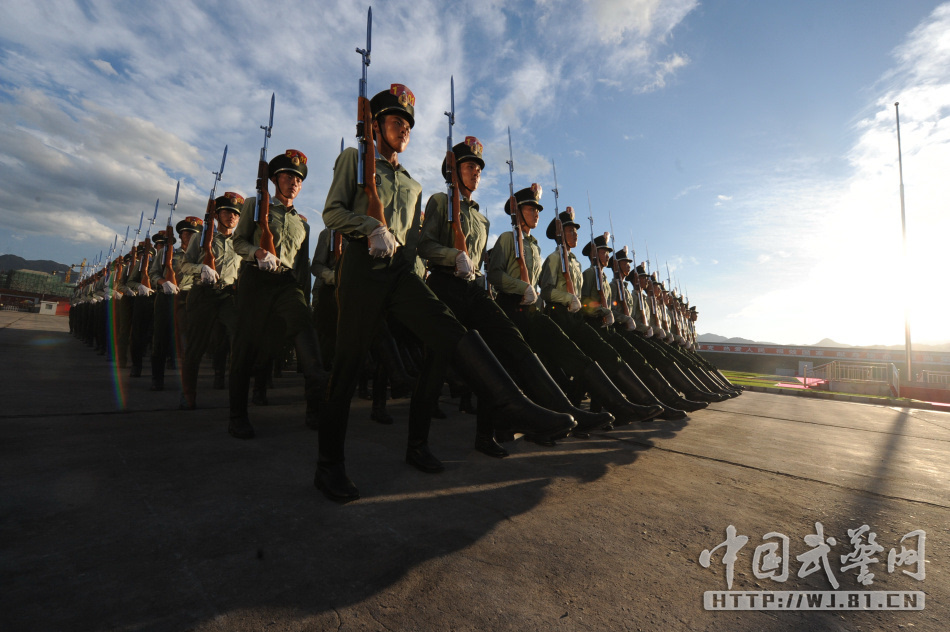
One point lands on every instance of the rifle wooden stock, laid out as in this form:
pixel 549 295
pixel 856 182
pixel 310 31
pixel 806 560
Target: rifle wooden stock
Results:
pixel 458 236
pixel 336 247
pixel 565 259
pixel 146 260
pixel 374 207
pixel 519 237
pixel 208 236
pixel 168 253
pixel 621 290
pixel 267 237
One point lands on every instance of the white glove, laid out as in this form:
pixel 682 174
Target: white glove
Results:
pixel 575 305
pixel 269 263
pixel 628 321
pixel 463 266
pixel 129 290
pixel 382 243
pixel 530 296
pixel 648 333
pixel 169 287
pixel 609 318
pixel 145 291
pixel 108 293
pixel 209 274
pixel 328 277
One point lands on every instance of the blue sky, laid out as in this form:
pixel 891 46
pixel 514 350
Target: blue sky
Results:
pixel 750 145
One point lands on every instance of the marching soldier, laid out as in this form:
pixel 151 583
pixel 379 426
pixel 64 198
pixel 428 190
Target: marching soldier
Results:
pixel 592 363
pixel 658 353
pixel 376 277
pixel 211 300
pixel 166 321
pixel 143 308
pixel 271 303
pixel 163 321
pixel 623 335
pixel 329 250
pixel 456 279
pixel 600 318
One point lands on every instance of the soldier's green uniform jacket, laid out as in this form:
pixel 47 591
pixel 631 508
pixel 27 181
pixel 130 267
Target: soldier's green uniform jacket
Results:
pixel 627 297
pixel 135 275
pixel 553 285
pixel 226 261
pixel 435 245
pixel 156 271
pixel 346 203
pixel 590 297
pixel 504 273
pixel 641 314
pixel 288 229
pixel 322 259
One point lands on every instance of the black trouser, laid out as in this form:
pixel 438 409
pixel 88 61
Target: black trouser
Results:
pixel 271 307
pixel 324 320
pixel 163 332
pixel 553 345
pixel 589 341
pixel 143 312
pixel 208 308
pixel 123 329
pixel 369 289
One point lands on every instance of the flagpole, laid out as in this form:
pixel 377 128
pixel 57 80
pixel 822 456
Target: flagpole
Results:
pixel 900 168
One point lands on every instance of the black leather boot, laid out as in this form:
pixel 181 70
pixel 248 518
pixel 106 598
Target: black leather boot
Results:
pixel 541 388
pixel 420 457
pixel 331 479
pixel 485 434
pixel 681 381
pixel 669 395
pixel 511 410
pixel 631 386
pixel 613 400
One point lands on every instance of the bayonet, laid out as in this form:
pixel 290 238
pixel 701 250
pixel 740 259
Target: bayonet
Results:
pixel 450 178
pixel 362 121
pixel 262 177
pixel 174 205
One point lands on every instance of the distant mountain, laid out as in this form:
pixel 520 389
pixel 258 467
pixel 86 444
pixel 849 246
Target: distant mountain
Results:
pixel 828 342
pixel 716 339
pixel 825 342
pixel 13 262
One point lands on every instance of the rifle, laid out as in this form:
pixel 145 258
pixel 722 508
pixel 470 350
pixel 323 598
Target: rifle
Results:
pixel 147 255
pixel 366 165
pixel 207 230
pixel 336 237
pixel 559 236
pixel 454 211
pixel 595 254
pixel 169 250
pixel 621 281
pixel 262 203
pixel 651 295
pixel 516 214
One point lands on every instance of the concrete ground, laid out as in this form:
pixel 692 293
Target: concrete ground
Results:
pixel 146 518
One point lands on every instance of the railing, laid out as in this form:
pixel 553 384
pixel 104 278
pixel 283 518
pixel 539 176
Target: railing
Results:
pixel 874 372
pixel 935 377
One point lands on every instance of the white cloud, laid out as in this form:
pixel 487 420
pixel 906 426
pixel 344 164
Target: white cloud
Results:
pixel 687 191
pixel 105 67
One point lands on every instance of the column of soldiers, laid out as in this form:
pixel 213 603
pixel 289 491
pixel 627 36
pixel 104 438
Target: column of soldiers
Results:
pixel 531 346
